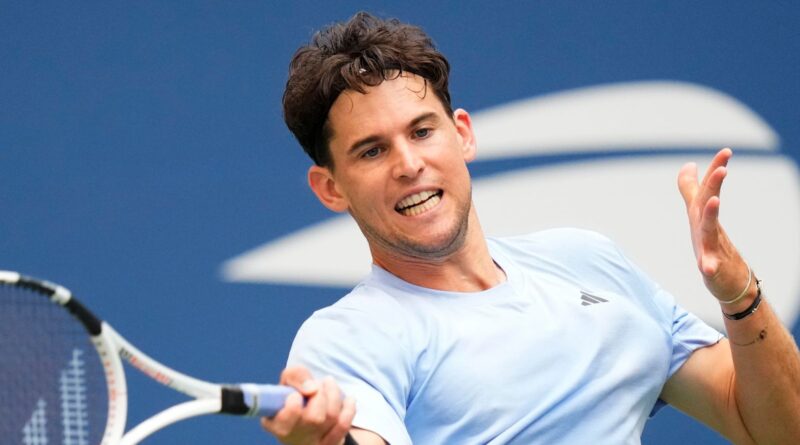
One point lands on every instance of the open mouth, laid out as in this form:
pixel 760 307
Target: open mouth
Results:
pixel 419 202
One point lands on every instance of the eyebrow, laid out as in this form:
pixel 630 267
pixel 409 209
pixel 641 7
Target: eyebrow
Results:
pixel 375 138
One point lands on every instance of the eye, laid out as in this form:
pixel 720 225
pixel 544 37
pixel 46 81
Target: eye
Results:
pixel 422 133
pixel 371 153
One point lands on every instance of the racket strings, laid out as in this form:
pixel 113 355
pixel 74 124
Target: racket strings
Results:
pixel 51 380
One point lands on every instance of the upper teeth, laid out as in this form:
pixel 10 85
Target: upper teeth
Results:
pixel 415 199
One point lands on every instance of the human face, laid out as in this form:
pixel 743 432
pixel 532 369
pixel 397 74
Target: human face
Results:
pixel 399 168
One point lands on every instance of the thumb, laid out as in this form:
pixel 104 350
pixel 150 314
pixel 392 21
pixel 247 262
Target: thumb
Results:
pixel 299 378
pixel 687 182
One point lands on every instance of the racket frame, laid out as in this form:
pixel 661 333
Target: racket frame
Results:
pixel 112 348
pixel 207 396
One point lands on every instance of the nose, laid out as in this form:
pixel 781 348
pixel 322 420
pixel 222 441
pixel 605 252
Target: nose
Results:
pixel 407 161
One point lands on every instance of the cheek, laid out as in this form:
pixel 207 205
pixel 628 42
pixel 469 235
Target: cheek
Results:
pixel 365 197
pixel 461 183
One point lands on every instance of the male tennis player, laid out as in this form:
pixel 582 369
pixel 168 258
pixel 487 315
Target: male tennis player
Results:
pixel 552 337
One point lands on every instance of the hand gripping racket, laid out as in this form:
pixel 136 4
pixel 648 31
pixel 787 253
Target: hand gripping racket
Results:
pixel 54 390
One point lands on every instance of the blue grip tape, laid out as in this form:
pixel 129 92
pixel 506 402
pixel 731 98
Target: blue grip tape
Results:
pixel 265 400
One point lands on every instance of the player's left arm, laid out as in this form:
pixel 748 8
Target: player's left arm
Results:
pixel 748 386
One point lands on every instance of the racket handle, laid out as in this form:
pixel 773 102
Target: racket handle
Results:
pixel 251 399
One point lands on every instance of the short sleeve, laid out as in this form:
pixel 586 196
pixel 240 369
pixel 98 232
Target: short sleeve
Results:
pixel 367 361
pixel 687 331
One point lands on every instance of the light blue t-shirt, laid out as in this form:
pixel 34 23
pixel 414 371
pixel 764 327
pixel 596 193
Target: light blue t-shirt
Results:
pixel 574 347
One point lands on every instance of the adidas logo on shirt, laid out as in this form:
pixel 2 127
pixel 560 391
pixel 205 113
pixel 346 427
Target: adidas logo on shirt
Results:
pixel 589 299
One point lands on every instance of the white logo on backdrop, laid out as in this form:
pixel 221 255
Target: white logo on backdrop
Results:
pixel 633 198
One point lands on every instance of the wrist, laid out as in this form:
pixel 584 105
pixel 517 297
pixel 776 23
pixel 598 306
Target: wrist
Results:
pixel 743 297
pixel 746 307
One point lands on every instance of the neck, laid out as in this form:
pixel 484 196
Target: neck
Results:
pixel 469 269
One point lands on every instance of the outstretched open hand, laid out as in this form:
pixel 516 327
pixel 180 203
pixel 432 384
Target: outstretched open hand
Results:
pixel 724 271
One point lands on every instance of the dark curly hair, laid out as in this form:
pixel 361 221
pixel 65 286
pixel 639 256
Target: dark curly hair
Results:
pixel 364 51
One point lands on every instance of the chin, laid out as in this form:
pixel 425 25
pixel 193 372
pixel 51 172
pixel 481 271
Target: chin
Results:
pixel 433 247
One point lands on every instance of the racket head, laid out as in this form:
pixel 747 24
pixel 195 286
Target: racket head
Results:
pixel 52 380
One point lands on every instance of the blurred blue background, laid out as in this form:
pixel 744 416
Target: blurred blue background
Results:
pixel 142 145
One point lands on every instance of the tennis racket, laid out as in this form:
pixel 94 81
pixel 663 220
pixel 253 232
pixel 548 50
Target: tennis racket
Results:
pixel 56 391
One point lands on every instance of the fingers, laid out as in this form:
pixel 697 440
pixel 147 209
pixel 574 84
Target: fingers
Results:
pixel 711 184
pixel 715 174
pixel 720 160
pixel 710 219
pixel 285 421
pixel 702 205
pixel 318 414
pixel 717 258
pixel 333 399
pixel 323 409
pixel 710 230
pixel 343 424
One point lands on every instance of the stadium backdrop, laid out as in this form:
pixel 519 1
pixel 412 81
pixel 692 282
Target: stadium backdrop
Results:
pixel 142 150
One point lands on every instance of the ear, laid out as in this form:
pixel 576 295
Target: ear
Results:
pixel 466 135
pixel 323 184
